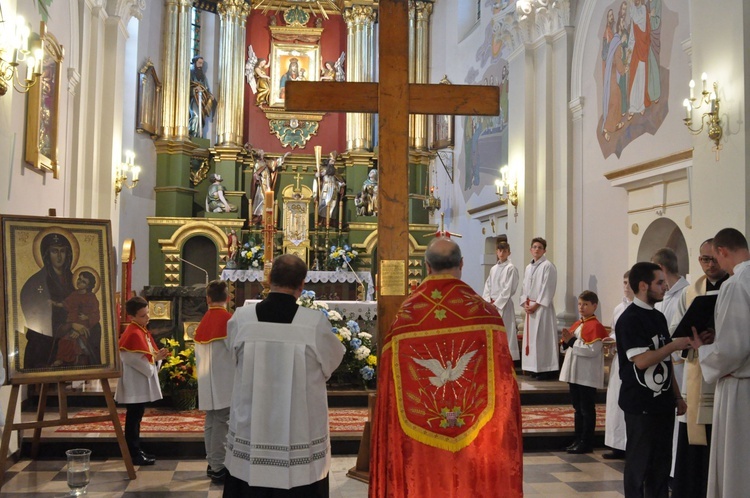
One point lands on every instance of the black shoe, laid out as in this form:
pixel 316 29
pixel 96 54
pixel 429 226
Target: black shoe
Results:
pixel 148 455
pixel 548 376
pixel 209 472
pixel 219 476
pixel 141 459
pixel 580 449
pixel 614 455
pixel 572 445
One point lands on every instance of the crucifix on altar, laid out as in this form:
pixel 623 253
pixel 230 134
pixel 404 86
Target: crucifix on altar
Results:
pixel 393 98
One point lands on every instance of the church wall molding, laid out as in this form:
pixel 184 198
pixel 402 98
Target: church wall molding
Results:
pixel 579 46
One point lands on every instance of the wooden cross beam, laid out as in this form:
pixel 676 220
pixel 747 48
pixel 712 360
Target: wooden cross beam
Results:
pixel 393 98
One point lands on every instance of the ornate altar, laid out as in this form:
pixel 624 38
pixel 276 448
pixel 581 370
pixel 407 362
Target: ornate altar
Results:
pixel 328 285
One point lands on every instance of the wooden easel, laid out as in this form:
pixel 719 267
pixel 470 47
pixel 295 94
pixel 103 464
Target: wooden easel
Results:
pixel 11 425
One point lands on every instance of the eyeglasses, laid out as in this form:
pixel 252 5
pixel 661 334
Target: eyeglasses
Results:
pixel 707 259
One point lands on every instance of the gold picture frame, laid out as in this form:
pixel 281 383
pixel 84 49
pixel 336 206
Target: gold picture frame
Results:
pixel 148 118
pixel 58 299
pixel 160 310
pixel 43 108
pixel 283 56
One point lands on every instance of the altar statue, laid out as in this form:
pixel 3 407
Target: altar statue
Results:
pixel 332 188
pixel 202 101
pixel 265 174
pixel 366 201
pixel 215 200
pixel 257 77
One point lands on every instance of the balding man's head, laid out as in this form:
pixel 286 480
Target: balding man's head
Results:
pixel 288 272
pixel 444 256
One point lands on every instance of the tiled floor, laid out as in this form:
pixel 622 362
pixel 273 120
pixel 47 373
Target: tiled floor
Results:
pixel 551 474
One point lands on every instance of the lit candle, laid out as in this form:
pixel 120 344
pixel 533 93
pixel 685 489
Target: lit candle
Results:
pixel 686 103
pixel 136 170
pixel 704 79
pixel 30 63
pixel 712 98
pixel 497 187
pixel 269 199
pixel 39 56
pixel 692 89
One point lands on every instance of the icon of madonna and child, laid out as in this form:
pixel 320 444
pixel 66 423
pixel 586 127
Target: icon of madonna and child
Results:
pixel 59 305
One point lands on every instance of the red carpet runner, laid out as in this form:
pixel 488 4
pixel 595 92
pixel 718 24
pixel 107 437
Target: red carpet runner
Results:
pixel 342 420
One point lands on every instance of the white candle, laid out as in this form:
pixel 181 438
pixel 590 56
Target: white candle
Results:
pixel 712 98
pixel 692 89
pixel 686 103
pixel 704 79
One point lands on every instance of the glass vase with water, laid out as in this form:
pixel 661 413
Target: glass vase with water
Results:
pixel 79 463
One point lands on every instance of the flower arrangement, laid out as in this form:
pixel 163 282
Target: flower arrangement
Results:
pixel 251 256
pixel 339 256
pixel 178 369
pixel 360 359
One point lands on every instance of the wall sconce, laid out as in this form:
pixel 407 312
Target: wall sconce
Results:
pixel 507 192
pixel 121 173
pixel 711 117
pixel 14 49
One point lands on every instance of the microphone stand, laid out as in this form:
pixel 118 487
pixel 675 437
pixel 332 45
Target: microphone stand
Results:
pixel 195 266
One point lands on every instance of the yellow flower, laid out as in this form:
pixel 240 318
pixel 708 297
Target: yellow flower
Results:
pixel 372 360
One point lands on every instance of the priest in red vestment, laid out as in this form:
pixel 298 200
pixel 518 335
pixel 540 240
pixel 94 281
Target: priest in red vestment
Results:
pixel 448 416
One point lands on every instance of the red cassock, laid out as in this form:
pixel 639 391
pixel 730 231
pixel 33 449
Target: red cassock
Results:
pixel 448 414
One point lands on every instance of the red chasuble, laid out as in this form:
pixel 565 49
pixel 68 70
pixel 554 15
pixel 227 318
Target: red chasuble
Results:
pixel 448 416
pixel 136 339
pixel 592 330
pixel 213 326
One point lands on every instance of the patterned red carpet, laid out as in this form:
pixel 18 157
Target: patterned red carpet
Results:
pixel 342 420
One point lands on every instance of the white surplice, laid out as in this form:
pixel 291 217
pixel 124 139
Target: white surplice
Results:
pixel 215 364
pixel 727 362
pixel 499 289
pixel 278 426
pixel 539 351
pixel 615 435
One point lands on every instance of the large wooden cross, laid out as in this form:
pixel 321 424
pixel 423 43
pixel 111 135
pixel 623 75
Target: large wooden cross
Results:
pixel 393 98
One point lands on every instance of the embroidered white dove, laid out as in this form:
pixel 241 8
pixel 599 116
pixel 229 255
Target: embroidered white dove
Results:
pixel 449 373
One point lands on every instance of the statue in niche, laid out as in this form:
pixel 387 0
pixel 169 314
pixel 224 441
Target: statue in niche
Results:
pixel 215 200
pixel 202 101
pixel 328 73
pixel 367 200
pixel 331 188
pixel 265 174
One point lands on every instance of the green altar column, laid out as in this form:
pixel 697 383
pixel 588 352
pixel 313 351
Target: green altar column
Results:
pixel 174 195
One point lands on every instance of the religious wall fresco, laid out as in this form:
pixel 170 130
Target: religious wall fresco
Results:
pixel 485 138
pixel 632 75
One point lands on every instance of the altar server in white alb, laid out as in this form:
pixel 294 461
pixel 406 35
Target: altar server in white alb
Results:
pixel 539 351
pixel 215 367
pixel 725 359
pixel 278 442
pixel 614 423
pixel 499 289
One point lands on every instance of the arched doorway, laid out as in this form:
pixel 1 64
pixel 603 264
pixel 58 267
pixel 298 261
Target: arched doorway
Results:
pixel 665 233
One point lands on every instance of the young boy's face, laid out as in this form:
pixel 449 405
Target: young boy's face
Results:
pixel 537 250
pixel 141 317
pixel 586 309
pixel 502 255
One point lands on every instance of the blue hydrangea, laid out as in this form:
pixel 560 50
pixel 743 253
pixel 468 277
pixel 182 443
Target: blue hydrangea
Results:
pixel 335 330
pixel 353 326
pixel 247 245
pixel 355 343
pixel 333 248
pixel 367 372
pixel 346 247
pixel 325 312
